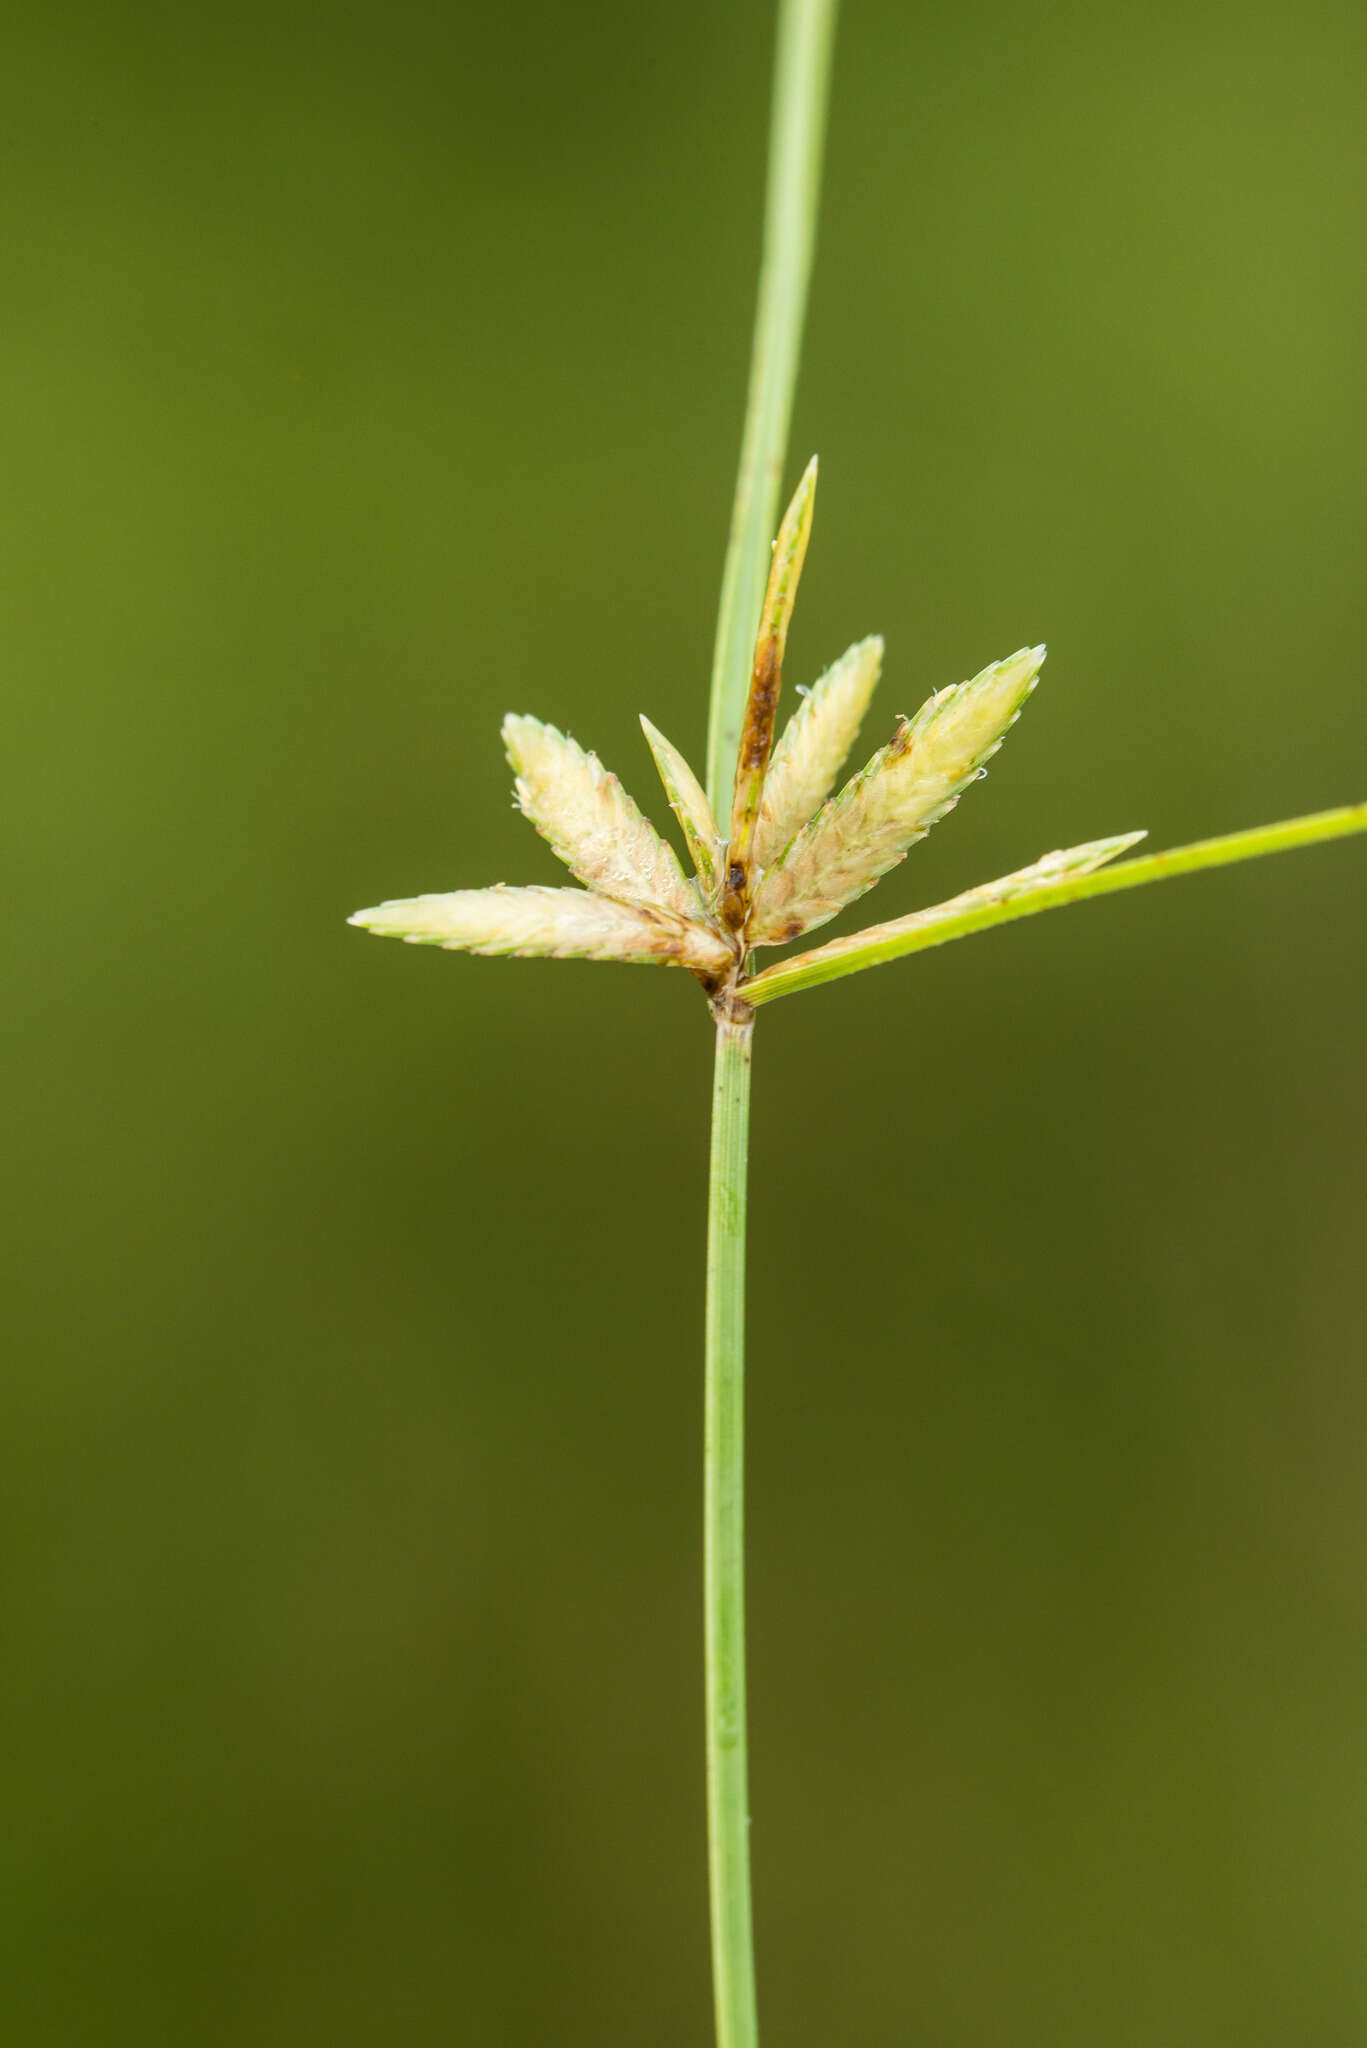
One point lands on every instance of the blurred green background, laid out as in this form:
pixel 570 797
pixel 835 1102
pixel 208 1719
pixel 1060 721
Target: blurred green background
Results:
pixel 368 373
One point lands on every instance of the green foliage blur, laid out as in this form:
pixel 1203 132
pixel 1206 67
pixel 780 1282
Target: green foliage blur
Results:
pixel 370 372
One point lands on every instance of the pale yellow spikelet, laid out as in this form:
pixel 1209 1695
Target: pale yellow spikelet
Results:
pixel 688 801
pixel 591 822
pixel 567 923
pixel 814 746
pixel 892 802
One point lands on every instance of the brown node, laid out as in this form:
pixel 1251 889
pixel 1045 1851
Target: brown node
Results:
pixel 730 1007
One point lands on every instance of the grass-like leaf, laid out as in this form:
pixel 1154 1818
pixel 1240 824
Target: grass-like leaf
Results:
pixel 591 822
pixel 567 923
pixel 892 802
pixel 814 746
pixel 979 909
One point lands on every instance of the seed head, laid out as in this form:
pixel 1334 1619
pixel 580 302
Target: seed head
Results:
pixel 795 855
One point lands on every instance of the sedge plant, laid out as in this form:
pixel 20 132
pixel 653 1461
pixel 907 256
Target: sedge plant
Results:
pixel 777 847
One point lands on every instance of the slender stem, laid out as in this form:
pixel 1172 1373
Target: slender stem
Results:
pixel 802 64
pixel 728 1811
pixel 948 921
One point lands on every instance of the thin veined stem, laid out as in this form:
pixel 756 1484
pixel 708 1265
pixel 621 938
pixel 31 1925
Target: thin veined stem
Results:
pixel 802 63
pixel 937 927
pixel 728 1808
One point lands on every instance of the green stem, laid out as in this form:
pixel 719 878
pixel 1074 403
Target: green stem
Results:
pixel 802 63
pixel 728 1811
pixel 936 927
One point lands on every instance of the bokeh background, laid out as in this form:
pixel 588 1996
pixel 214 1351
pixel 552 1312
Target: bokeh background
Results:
pixel 368 372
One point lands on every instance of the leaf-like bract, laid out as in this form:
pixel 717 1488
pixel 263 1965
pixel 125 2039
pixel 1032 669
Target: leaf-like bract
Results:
pixel 591 822
pixel 813 748
pixel 569 923
pixel 892 802
pixel 880 942
pixel 688 801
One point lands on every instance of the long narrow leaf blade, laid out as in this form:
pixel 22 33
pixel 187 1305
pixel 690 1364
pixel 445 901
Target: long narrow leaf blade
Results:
pixel 565 923
pixel 869 947
pixel 591 822
pixel 892 802
pixel 962 917
pixel 813 748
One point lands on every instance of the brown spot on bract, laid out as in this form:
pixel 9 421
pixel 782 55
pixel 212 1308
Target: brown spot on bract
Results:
pixel 761 706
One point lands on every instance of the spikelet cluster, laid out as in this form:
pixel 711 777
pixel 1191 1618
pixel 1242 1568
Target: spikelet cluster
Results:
pixel 788 856
pixel 892 802
pixel 637 905
pixel 591 822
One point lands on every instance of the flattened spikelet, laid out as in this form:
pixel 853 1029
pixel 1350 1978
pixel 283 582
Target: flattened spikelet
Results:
pixel 892 802
pixel 688 801
pixel 591 822
pixel 766 680
pixel 568 923
pixel 814 746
